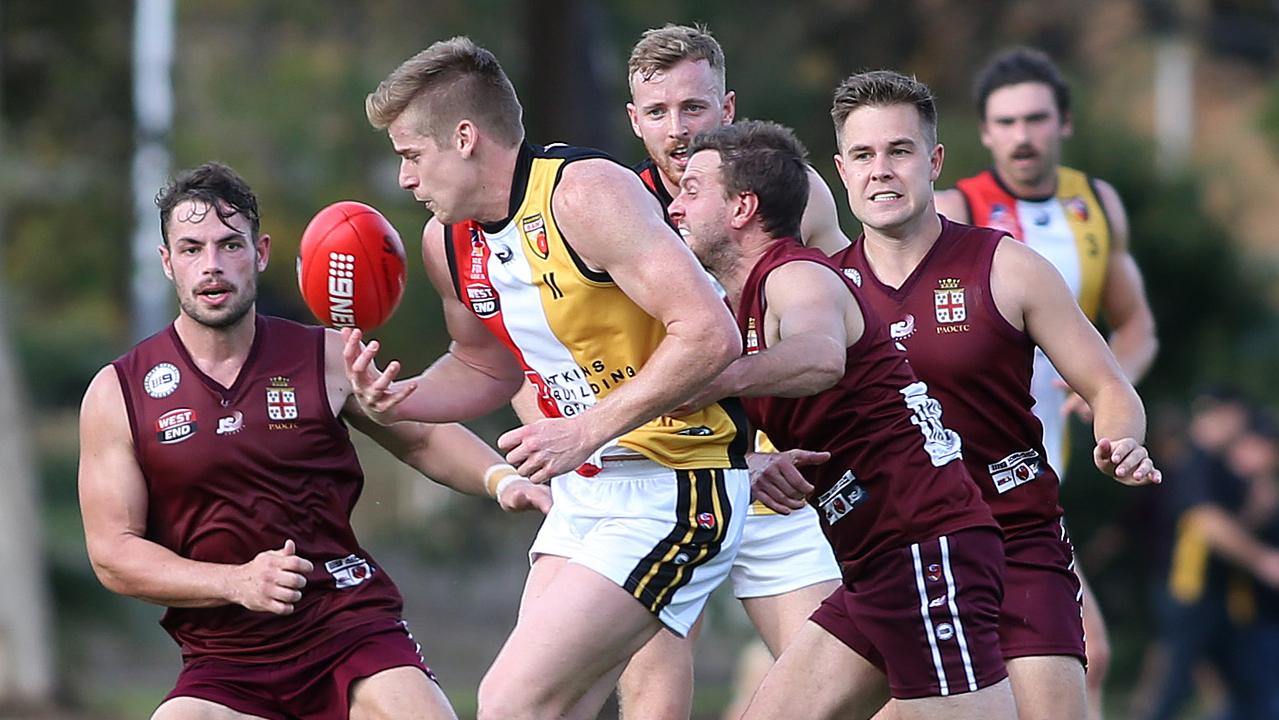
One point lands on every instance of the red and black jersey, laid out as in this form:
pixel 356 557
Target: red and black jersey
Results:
pixel 975 363
pixel 892 479
pixel 233 471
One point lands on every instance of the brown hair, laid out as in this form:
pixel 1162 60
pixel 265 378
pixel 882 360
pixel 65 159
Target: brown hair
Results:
pixel 662 48
pixel 1020 65
pixel 880 88
pixel 767 160
pixel 215 184
pixel 451 80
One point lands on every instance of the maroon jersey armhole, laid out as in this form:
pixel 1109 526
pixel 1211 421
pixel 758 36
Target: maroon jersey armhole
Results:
pixel 130 411
pixel 985 270
pixel 322 386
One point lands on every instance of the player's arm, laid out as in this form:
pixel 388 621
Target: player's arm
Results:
pixel 449 454
pixel 820 226
pixel 1031 294
pixel 113 505
pixel 616 226
pixel 1226 536
pixel 476 376
pixel 816 318
pixel 951 203
pixel 1123 301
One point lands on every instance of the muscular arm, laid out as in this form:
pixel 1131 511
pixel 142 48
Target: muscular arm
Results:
pixel 951 204
pixel 820 226
pixel 113 504
pixel 476 376
pixel 616 226
pixel 816 320
pixel 1123 302
pixel 1032 295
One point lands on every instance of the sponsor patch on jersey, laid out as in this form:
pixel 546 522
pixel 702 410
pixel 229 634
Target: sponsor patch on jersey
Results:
pixel 231 424
pixel 1077 208
pixel 175 426
pixel 534 229
pixel 855 275
pixel 162 380
pixel 1018 468
pixel 841 498
pixel 752 337
pixel 281 400
pixel 483 300
pixel 349 571
pixel 948 301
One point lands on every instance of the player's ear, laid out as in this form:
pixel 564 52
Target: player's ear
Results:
pixel 937 159
pixel 263 246
pixel 465 136
pixel 730 107
pixel 1067 125
pixel 745 208
pixel 632 112
pixel 166 260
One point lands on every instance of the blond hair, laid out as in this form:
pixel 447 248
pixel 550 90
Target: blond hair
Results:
pixel 448 82
pixel 660 49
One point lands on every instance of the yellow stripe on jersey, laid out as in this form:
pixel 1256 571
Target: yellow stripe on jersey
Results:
pixel 1189 563
pixel 608 336
pixel 763 445
pixel 1087 221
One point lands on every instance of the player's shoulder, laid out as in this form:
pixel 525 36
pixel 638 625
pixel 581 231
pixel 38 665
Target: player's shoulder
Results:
pixel 104 394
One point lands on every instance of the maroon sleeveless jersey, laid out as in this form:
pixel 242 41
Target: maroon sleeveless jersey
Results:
pixel 975 363
pixel 891 480
pixel 231 472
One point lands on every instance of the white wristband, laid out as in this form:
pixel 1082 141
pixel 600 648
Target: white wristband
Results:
pixel 496 475
pixel 504 483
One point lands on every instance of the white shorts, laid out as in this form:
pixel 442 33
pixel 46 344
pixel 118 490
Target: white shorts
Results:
pixel 668 537
pixel 781 553
pixel 1049 399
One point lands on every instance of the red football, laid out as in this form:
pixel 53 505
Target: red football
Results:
pixel 351 266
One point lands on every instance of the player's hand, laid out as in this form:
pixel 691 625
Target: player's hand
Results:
pixel 548 447
pixel 1126 461
pixel 372 388
pixel 522 495
pixel 271 582
pixel 1074 403
pixel 776 481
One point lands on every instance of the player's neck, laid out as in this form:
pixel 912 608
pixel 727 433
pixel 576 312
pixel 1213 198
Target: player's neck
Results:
pixel 894 253
pixel 494 196
pixel 672 186
pixel 218 352
pixel 733 277
pixel 1043 187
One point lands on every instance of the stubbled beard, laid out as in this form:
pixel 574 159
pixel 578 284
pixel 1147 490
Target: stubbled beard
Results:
pixel 221 318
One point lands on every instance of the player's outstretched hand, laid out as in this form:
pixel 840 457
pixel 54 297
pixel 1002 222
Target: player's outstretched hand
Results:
pixel 776 481
pixel 546 448
pixel 271 582
pixel 1126 461
pixel 372 388
pixel 522 495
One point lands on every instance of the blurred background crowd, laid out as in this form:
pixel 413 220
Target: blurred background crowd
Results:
pixel 1177 105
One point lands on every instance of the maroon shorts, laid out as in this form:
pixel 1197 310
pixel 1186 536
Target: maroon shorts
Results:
pixel 1042 612
pixel 926 614
pixel 314 685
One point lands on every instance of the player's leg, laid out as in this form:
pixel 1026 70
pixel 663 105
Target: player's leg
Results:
pixel 989 703
pixel 402 692
pixel 190 708
pixel 1048 687
pixel 658 681
pixel 753 663
pixel 1098 648
pixel 778 618
pixel 819 676
pixel 580 622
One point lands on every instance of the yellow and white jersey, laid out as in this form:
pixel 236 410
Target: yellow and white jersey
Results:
pixel 1070 229
pixel 576 334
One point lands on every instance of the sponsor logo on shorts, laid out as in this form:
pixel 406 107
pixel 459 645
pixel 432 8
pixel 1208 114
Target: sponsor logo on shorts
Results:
pixel 841 498
pixel 161 380
pixel 945 631
pixel 175 426
pixel 1017 469
pixel 706 521
pixel 698 431
pixel 937 601
pixel 681 558
pixel 934 572
pixel 350 571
